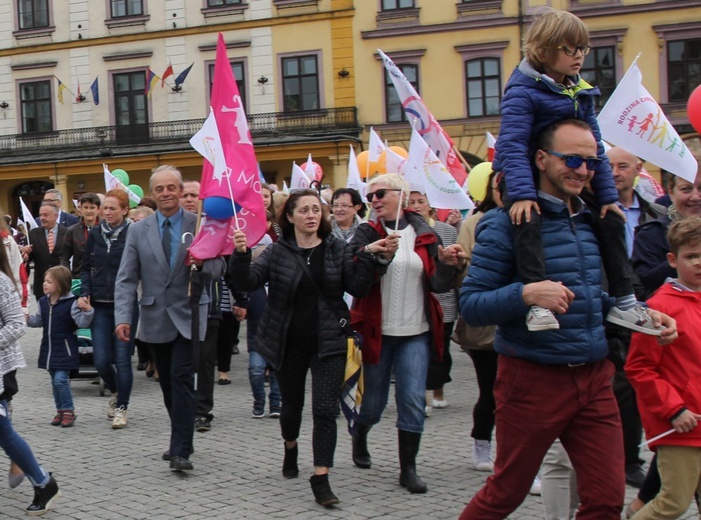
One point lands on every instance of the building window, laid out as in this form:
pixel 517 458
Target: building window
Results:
pixel 239 74
pixel 300 83
pixel 222 3
pixel 683 68
pixel 391 5
pixel 599 69
pixel 35 98
pixel 33 14
pixel 123 8
pixel 483 80
pixel 394 112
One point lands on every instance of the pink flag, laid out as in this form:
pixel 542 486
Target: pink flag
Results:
pixel 241 177
pixel 424 122
pixel 215 238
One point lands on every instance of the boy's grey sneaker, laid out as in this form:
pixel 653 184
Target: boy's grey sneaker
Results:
pixel 636 319
pixel 540 318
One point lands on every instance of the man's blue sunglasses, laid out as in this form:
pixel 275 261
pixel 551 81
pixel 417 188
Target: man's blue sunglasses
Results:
pixel 575 161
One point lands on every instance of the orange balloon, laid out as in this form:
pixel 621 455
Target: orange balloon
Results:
pixel 382 161
pixel 366 168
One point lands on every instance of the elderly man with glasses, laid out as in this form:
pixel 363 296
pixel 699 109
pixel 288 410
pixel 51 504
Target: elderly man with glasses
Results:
pixel 55 198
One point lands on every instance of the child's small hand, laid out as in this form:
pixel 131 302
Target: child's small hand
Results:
pixel 84 303
pixel 686 421
pixel 612 207
pixel 521 207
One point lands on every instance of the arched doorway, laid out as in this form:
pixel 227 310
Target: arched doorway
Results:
pixel 32 193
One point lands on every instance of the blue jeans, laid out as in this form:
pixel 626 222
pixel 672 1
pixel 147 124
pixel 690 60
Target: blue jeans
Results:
pixel 61 385
pixel 18 450
pixel 256 376
pixel 256 363
pixel 112 357
pixel 410 356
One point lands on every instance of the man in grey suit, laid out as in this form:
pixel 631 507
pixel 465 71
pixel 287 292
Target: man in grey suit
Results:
pixel 155 255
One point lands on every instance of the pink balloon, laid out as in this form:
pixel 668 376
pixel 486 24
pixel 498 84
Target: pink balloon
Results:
pixel 693 109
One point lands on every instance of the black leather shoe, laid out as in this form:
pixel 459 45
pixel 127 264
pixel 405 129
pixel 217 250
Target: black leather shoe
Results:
pixel 178 463
pixel 635 475
pixel 166 455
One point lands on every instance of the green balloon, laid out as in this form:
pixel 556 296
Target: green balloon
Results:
pixel 121 176
pixel 136 190
pixel 132 204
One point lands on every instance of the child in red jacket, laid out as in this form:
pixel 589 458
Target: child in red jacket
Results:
pixel 667 379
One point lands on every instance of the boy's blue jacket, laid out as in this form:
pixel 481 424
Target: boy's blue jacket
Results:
pixel 491 291
pixel 531 103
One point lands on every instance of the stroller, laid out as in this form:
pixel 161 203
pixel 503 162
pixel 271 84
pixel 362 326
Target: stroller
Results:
pixel 86 370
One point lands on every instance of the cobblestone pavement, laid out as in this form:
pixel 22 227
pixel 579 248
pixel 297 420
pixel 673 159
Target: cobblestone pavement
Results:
pixel 105 473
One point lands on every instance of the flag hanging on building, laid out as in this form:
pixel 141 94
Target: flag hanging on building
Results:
pixel 421 118
pixel 441 189
pixel 61 87
pixel 633 120
pixel 181 77
pixel 95 90
pixel 168 72
pixel 151 81
pixel 241 177
pixel 78 95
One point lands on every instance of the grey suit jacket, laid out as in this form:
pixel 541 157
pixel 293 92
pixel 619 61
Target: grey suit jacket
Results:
pixel 164 303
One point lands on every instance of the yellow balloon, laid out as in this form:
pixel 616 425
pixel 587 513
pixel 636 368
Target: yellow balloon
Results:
pixel 477 181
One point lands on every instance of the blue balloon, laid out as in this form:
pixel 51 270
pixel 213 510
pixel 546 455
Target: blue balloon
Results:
pixel 218 208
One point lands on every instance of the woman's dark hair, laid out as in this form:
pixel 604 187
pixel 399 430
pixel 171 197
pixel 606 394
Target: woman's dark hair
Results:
pixel 356 199
pixel 289 207
pixel 489 202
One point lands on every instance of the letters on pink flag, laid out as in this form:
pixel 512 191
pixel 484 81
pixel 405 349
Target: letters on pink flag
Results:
pixel 242 166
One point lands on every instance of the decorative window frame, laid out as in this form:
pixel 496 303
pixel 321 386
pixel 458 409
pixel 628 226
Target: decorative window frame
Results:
pixel 481 50
pixel 669 33
pixel 320 74
pixel 246 79
pixel 224 10
pixel 126 21
pixel 52 101
pixel 400 17
pixel 22 34
pixel 479 7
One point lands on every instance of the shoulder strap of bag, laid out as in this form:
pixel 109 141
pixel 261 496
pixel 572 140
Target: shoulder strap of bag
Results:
pixel 345 326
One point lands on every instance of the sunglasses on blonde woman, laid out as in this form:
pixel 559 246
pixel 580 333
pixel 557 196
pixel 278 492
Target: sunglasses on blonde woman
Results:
pixel 380 194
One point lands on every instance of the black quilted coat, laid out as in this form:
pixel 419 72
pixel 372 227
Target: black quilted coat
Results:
pixel 344 271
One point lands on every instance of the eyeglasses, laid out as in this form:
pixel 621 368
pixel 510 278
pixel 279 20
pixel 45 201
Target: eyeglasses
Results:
pixel 380 194
pixel 575 161
pixel 584 49
pixel 341 206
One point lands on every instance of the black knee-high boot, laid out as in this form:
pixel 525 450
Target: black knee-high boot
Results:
pixel 409 443
pixel 361 456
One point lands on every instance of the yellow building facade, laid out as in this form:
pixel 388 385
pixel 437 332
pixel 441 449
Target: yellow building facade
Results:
pixel 308 70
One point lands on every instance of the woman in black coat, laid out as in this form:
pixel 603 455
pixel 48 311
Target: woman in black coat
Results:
pixel 307 270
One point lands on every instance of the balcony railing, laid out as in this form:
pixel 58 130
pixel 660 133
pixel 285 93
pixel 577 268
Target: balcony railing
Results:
pixel 310 124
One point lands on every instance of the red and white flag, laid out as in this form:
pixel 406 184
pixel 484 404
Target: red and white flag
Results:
pixel 241 177
pixel 168 72
pixel 421 118
pixel 491 143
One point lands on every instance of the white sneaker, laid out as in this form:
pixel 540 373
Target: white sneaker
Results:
pixel 636 319
pixel 427 411
pixel 443 403
pixel 120 418
pixel 112 406
pixel 536 487
pixel 540 318
pixel 482 456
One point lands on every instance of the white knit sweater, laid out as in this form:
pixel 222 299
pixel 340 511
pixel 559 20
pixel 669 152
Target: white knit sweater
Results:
pixel 403 291
pixel 12 327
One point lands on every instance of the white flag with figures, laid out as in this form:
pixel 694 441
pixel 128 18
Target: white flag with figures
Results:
pixel 424 168
pixel 113 183
pixel 207 142
pixel 354 181
pixel 633 120
pixel 375 146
